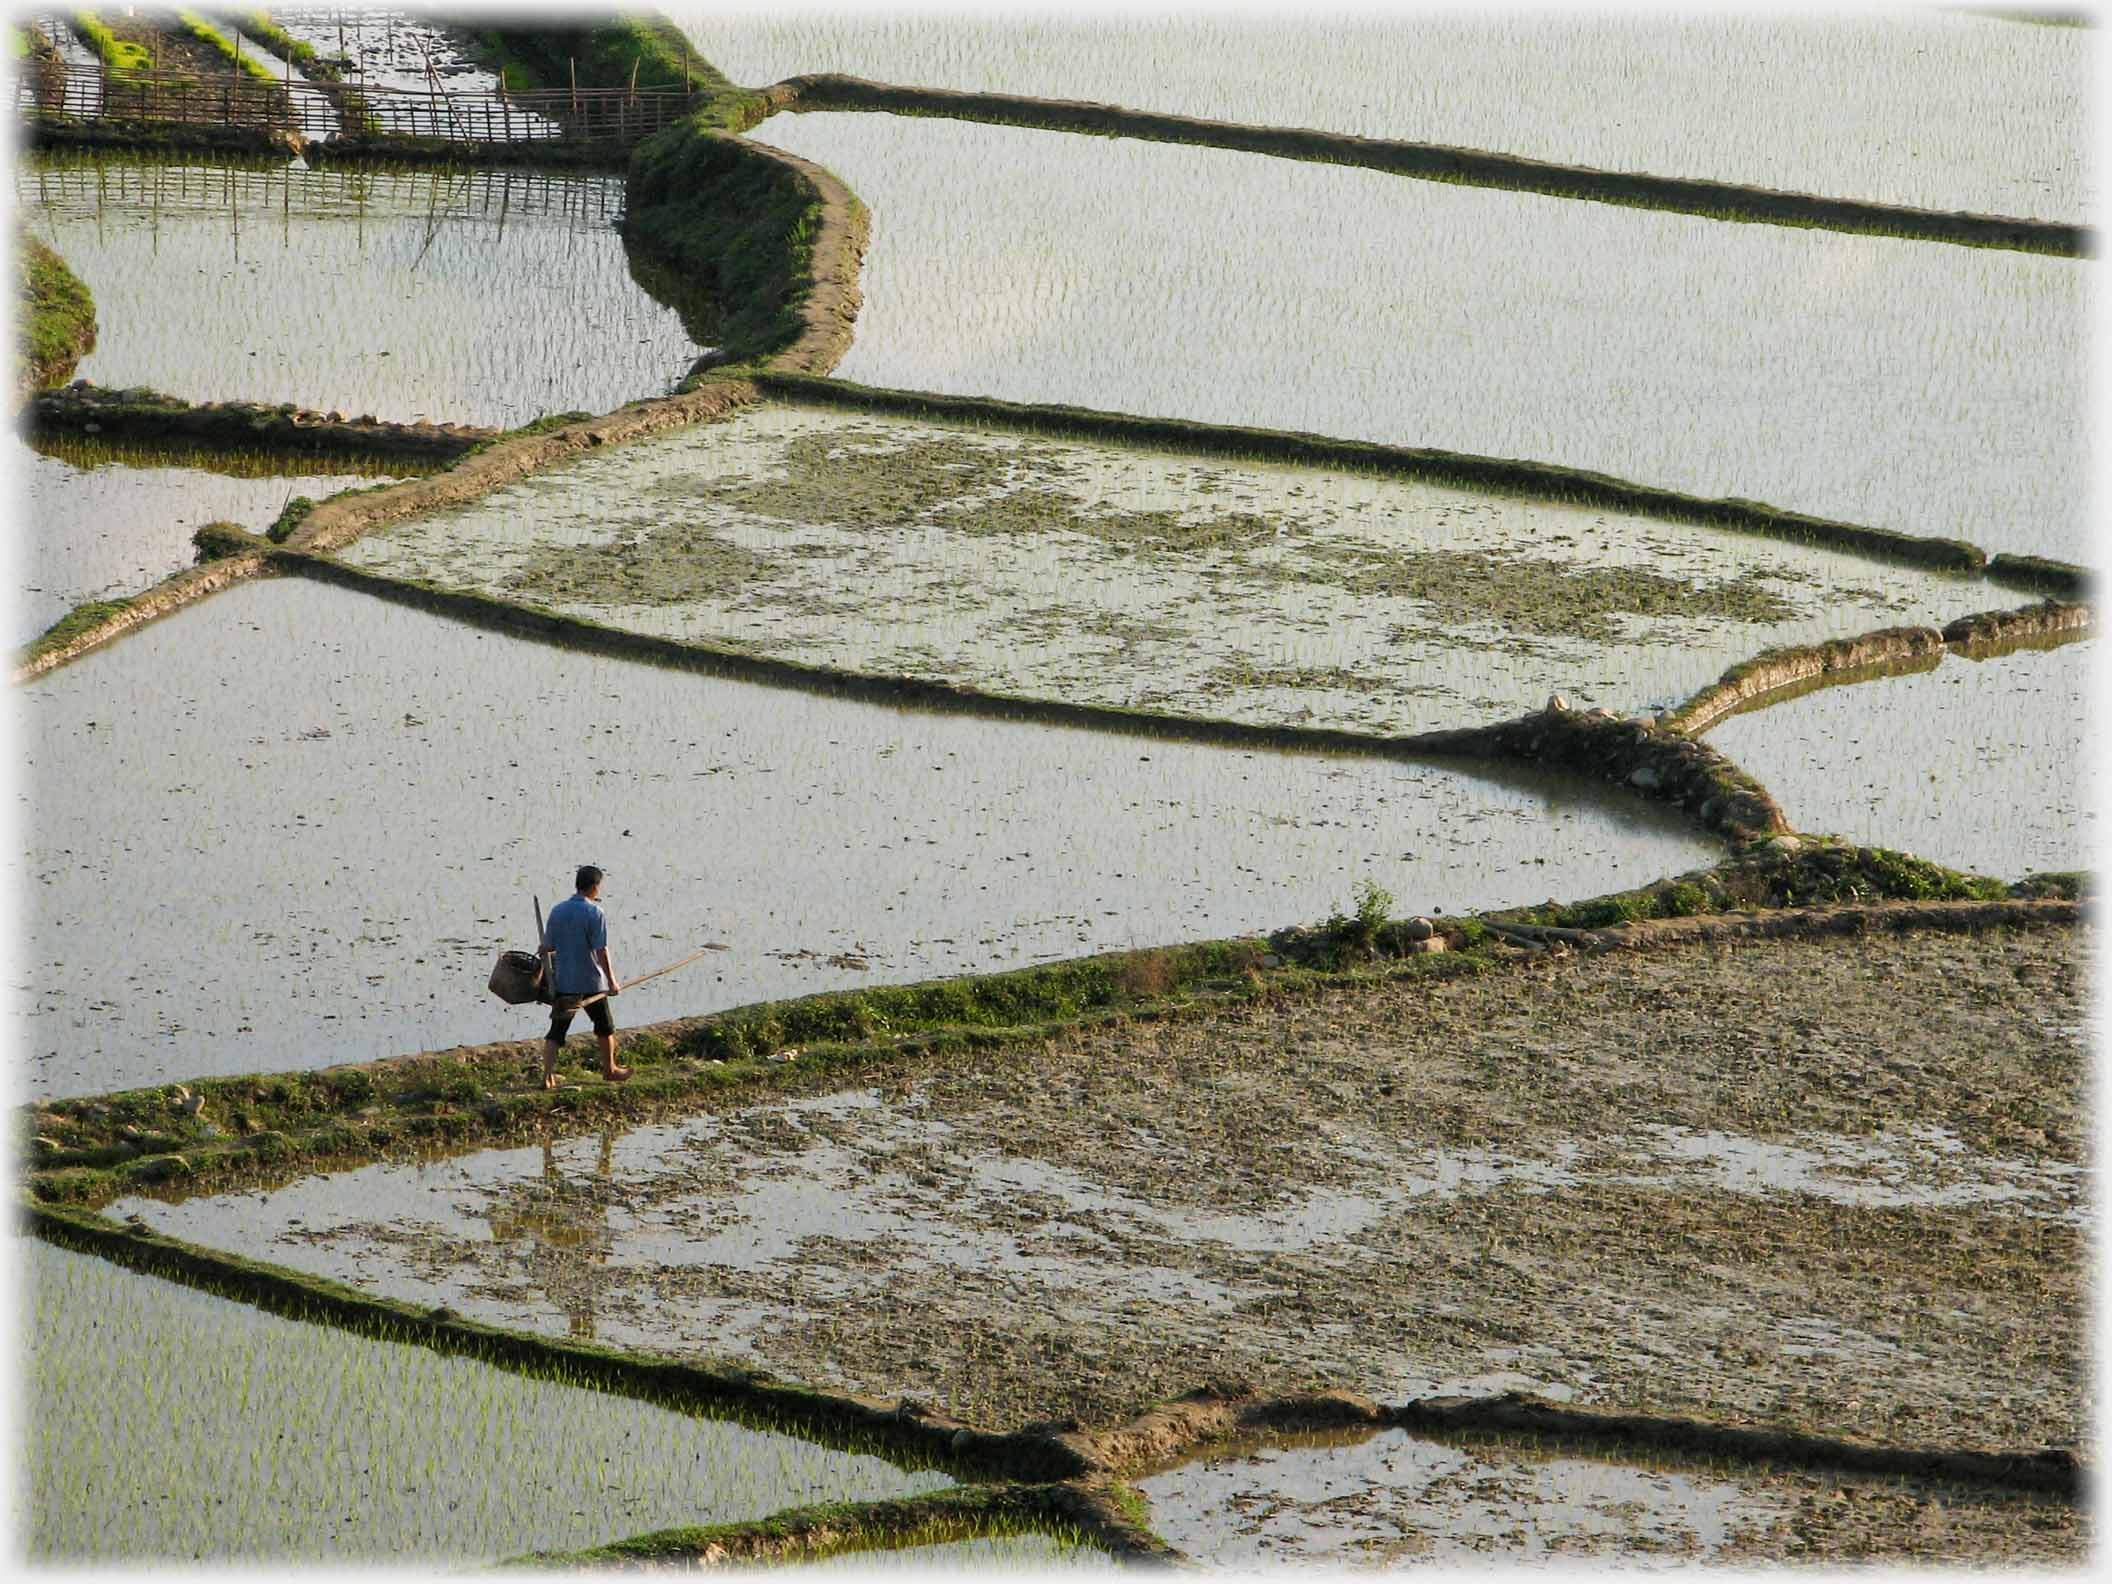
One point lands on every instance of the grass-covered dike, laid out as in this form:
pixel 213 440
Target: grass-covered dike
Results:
pixel 55 317
pixel 272 1126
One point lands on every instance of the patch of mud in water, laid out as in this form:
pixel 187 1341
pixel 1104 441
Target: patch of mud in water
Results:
pixel 1148 580
pixel 1974 763
pixel 708 1233
pixel 1395 1498
pixel 827 844
pixel 1915 1166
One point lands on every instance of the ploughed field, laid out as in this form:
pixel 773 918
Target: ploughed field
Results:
pixel 1077 1150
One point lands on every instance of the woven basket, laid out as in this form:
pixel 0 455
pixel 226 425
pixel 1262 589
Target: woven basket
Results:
pixel 518 978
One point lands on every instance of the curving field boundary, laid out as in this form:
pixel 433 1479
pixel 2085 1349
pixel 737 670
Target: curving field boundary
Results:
pixel 1075 1471
pixel 1791 671
pixel 1713 200
pixel 809 292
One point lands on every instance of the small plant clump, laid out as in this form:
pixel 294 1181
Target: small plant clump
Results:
pixel 1359 927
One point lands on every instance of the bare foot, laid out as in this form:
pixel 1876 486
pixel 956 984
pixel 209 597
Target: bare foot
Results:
pixel 552 1081
pixel 615 1074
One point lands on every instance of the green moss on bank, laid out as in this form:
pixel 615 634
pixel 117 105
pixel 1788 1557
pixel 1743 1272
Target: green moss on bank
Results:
pixel 56 317
pixel 81 619
pixel 739 224
pixel 1784 872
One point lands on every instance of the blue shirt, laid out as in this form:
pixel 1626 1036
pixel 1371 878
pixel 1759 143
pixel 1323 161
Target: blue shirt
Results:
pixel 576 930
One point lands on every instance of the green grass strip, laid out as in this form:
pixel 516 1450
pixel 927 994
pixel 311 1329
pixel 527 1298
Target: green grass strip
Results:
pixel 259 26
pixel 115 53
pixel 216 41
pixel 1713 200
pixel 57 326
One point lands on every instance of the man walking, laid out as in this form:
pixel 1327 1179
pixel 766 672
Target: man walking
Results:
pixel 576 952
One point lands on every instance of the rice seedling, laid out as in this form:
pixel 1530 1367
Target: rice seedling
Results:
pixel 1848 377
pixel 1975 762
pixel 890 846
pixel 480 297
pixel 118 54
pixel 1282 595
pixel 1864 88
pixel 195 26
pixel 170 1424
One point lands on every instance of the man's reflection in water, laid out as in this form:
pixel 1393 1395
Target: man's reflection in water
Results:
pixel 565 1223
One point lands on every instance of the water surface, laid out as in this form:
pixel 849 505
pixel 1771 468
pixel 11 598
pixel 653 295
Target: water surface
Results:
pixel 1975 763
pixel 479 297
pixel 1932 389
pixel 1922 107
pixel 101 522
pixel 346 807
pixel 165 1423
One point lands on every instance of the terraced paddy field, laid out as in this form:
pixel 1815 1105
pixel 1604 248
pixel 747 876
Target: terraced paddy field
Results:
pixel 1145 580
pixel 1970 761
pixel 1394 1500
pixel 1918 387
pixel 112 520
pixel 1124 1101
pixel 825 843
pixel 1934 108
pixel 473 297
pixel 302 1441
pixel 1839 1215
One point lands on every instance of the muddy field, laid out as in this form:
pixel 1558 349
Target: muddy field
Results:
pixel 1832 1188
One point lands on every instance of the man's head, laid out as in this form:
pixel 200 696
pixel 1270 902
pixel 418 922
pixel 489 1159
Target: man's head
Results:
pixel 587 881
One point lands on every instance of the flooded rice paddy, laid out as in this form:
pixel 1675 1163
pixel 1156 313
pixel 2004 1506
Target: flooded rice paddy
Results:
pixel 1931 108
pixel 1726 1182
pixel 1281 595
pixel 347 806
pixel 680 1233
pixel 166 1423
pixel 1922 387
pixel 394 49
pixel 1396 1500
pixel 1976 763
pixel 479 297
pixel 110 521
